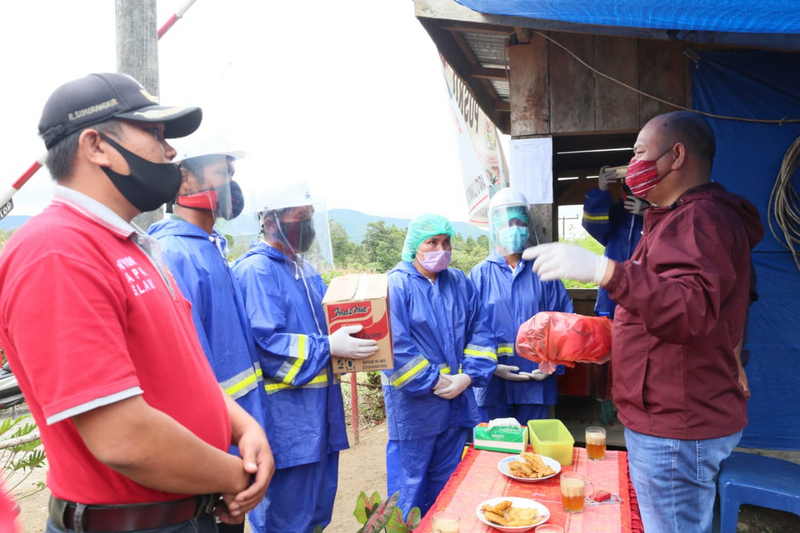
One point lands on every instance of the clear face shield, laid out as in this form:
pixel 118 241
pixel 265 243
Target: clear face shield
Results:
pixel 509 229
pixel 302 234
pixel 208 184
pixel 302 231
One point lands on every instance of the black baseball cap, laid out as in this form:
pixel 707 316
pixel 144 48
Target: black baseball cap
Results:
pixel 99 97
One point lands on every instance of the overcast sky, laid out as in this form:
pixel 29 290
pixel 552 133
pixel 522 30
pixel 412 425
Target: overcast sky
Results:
pixel 348 95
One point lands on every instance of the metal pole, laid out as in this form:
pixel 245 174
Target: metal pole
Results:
pixel 354 422
pixel 137 55
pixel 6 204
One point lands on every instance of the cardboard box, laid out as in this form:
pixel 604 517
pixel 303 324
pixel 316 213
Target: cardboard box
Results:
pixel 361 299
pixel 500 439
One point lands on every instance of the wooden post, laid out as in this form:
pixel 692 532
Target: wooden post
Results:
pixel 137 55
pixel 530 102
pixel 541 221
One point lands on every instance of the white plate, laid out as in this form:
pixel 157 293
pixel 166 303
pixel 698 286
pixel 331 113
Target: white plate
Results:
pixel 515 502
pixel 502 466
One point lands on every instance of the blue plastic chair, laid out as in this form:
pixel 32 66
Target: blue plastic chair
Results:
pixel 756 480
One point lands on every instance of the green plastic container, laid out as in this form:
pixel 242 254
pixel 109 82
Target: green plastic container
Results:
pixel 551 437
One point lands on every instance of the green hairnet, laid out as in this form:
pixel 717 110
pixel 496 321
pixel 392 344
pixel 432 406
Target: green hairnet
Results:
pixel 421 228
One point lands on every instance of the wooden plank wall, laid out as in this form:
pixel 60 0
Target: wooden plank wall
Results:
pixel 551 93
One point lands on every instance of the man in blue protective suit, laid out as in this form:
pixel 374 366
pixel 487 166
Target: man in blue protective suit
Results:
pixel 512 293
pixel 305 416
pixel 192 249
pixel 614 224
pixel 442 347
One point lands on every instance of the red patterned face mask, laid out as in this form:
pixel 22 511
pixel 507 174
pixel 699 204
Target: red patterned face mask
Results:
pixel 642 175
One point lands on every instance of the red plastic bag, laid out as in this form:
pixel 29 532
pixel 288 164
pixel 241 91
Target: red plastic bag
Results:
pixel 551 338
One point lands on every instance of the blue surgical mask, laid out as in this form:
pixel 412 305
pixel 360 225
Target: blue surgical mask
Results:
pixel 513 238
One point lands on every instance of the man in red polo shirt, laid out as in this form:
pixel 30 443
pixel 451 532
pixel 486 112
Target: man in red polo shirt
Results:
pixel 102 342
pixel 682 301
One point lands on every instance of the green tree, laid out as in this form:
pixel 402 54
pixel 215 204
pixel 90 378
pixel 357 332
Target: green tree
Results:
pixel 469 252
pixel 383 246
pixel 346 253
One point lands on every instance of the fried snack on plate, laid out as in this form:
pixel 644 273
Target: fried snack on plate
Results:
pixel 495 518
pixel 533 467
pixel 522 517
pixel 506 515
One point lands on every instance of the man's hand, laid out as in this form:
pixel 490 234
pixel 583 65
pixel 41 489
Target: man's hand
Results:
pixel 634 205
pixel 744 385
pixel 609 175
pixel 557 260
pixel 511 373
pixel 604 178
pixel 259 463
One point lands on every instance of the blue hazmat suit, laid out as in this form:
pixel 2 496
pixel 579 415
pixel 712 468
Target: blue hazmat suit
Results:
pixel 438 328
pixel 511 297
pixel 203 275
pixel 305 414
pixel 616 229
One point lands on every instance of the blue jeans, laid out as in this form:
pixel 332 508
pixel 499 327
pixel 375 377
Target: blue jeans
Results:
pixel 676 480
pixel 204 524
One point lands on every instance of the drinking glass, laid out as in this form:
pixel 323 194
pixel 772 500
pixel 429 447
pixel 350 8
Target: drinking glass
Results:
pixel 595 443
pixel 573 491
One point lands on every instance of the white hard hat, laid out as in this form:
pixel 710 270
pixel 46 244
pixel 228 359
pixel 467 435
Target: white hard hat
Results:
pixel 507 197
pixel 193 147
pixel 285 195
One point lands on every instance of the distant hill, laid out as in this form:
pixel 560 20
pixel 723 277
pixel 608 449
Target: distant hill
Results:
pixel 13 222
pixel 355 224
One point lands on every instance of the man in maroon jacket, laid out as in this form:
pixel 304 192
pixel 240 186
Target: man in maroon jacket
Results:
pixel 682 300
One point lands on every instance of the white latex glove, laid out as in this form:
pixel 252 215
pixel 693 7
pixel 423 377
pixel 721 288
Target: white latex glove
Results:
pixel 510 373
pixel 457 385
pixel 343 344
pixel 605 177
pixel 557 260
pixel 634 205
pixel 537 375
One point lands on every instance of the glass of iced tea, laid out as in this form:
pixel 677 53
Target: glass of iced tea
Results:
pixel 573 491
pixel 445 523
pixel 595 442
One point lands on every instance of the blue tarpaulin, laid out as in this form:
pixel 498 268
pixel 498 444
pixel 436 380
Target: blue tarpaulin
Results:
pixel 761 84
pixel 748 16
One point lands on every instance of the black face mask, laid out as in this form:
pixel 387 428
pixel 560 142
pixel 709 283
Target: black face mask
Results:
pixel 300 235
pixel 149 184
pixel 230 201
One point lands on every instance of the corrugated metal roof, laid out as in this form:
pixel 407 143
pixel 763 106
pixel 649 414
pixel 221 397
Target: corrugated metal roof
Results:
pixel 490 49
pixel 503 90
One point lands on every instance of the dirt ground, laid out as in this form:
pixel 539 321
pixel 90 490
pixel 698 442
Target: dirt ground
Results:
pixel 362 467
pixel 33 509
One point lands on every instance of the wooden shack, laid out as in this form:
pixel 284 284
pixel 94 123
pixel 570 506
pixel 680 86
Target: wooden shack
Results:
pixel 548 78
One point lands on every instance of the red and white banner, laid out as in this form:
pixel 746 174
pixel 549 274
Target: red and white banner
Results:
pixel 482 160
